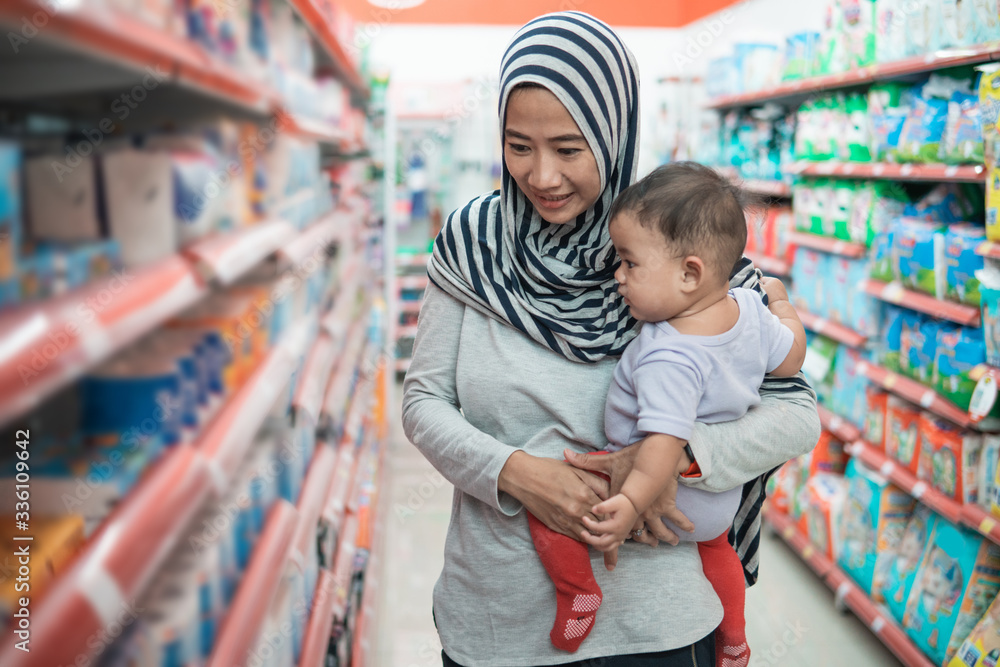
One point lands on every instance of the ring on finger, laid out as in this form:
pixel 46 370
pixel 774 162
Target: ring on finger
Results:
pixel 639 533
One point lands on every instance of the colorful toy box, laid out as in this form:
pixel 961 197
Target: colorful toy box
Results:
pixel 902 570
pixel 958 577
pixel 875 515
pixel 949 458
pixel 902 436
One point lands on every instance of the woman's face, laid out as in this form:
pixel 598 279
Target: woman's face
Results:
pixel 548 157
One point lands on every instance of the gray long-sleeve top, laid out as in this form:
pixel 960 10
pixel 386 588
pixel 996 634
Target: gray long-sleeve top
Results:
pixel 476 391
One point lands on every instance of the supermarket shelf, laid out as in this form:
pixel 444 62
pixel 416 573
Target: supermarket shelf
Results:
pixel 877 460
pixel 917 393
pixel 223 258
pixel 842 429
pixel 82 50
pixel 319 24
pixel 308 128
pixel 241 626
pixel 226 440
pixel 335 503
pixel 883 626
pixel 989 249
pixel 982 521
pixel 828 244
pixel 406 332
pixel 771 266
pixel 825 327
pixel 117 563
pixel 47 346
pixel 420 260
pixel 343 565
pixel 315 371
pixel 317 635
pixel 412 282
pixel 312 242
pixel 767 188
pixel 403 365
pixel 881 72
pixel 311 502
pixel 894 172
pixel 946 310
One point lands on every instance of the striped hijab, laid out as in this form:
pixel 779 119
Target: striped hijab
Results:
pixel 553 282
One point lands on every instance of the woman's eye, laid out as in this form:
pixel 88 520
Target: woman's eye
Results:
pixel 570 152
pixel 518 148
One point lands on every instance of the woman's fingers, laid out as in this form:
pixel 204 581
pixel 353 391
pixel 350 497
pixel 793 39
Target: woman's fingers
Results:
pixel 587 461
pixel 659 531
pixel 616 465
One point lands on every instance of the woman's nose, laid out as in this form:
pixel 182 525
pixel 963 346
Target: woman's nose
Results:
pixel 544 174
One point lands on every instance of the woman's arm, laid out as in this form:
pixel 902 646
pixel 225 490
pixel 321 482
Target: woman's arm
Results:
pixel 499 474
pixel 783 426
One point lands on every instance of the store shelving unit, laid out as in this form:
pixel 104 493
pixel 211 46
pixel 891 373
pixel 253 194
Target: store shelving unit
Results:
pixel 834 330
pixel 828 244
pixel 896 294
pixel 938 173
pixel 776 189
pixel 846 592
pixel 916 393
pixel 771 266
pixel 792 91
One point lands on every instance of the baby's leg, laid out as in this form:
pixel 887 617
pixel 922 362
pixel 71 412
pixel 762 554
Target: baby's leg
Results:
pixel 712 515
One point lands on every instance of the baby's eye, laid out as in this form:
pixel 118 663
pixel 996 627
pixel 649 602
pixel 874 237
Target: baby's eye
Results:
pixel 629 264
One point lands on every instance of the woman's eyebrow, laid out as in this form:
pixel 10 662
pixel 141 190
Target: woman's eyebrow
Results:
pixel 568 137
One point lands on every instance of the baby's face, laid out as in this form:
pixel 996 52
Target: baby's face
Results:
pixel 650 276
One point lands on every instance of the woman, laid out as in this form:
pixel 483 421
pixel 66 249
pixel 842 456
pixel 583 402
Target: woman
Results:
pixel 519 334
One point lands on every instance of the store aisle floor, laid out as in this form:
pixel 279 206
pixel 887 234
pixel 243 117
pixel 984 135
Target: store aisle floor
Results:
pixel 791 620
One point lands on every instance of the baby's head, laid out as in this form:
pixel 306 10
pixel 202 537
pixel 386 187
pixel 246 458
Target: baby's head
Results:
pixel 679 232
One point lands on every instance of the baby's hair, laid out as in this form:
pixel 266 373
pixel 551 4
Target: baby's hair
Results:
pixel 698 211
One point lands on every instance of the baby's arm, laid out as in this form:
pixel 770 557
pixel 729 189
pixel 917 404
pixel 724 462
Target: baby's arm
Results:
pixel 658 461
pixel 781 307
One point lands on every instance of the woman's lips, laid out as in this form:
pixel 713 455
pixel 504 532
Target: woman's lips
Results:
pixel 552 202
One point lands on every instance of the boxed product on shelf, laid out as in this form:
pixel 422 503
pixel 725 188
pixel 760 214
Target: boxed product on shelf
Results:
pixel 989 460
pixel 993 202
pixel 876 402
pixel 902 570
pixel 800 50
pixel 982 647
pixel 918 348
pixel 876 205
pixel 916 245
pixel 808 266
pixel 902 437
pixel 989 106
pixel 821 353
pixel 958 577
pixel 898 321
pixel 989 308
pixel 138 198
pixel 54 542
pixel 859 32
pixel 949 458
pixel 828 456
pixel 848 396
pixel 959 351
pixel 888 107
pixel 962 142
pixel 874 517
pixel 170 622
pixel 890 30
pixel 962 262
pixel 10 210
pixel 923 130
pixel 825 495
pixel 61 203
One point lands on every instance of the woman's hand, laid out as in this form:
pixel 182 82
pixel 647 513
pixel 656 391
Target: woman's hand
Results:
pixel 617 465
pixel 557 494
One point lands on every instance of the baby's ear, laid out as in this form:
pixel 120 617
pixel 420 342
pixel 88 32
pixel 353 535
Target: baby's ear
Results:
pixel 694 270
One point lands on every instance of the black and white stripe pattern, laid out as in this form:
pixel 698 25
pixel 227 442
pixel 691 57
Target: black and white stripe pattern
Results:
pixel 745 533
pixel 554 282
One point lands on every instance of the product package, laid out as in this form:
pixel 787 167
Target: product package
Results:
pixel 898 321
pixel 884 264
pixel 61 203
pixel 962 262
pixel 989 459
pixel 139 199
pixel 876 205
pixel 848 397
pixel 982 647
pixel 877 400
pixel 958 578
pixel 11 232
pixel 825 497
pixel 828 456
pixel 807 271
pixel 962 142
pixel 949 458
pixel 902 569
pixel 874 518
pixel 917 245
pixel 918 349
pixel 902 438
pixel 959 351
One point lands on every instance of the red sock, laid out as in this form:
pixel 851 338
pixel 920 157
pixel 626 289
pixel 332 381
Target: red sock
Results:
pixel 725 572
pixel 577 594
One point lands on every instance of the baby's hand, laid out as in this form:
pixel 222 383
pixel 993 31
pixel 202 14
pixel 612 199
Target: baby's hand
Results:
pixel 775 289
pixel 612 531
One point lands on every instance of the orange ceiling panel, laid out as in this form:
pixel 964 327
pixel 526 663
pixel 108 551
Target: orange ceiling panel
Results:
pixel 617 13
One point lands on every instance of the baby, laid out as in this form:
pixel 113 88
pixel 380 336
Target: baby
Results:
pixel 701 356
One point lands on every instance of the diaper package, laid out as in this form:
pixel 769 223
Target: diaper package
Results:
pixel 11 221
pixel 958 578
pixel 989 459
pixel 902 437
pixel 918 348
pixel 982 647
pixel 884 265
pixel 962 142
pixel 917 245
pixel 877 401
pixel 959 351
pixel 848 397
pixel 949 458
pixel 962 262
pixel 876 204
pixel 807 269
pixel 890 30
pixel 825 496
pixel 888 107
pixel 897 322
pixel 902 569
pixel 874 517
pixel 989 308
pixel 923 130
pixel 828 456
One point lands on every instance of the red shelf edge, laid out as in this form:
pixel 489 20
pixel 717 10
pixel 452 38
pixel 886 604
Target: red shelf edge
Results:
pixel 241 625
pixel 127 550
pixel 892 171
pixel 878 72
pixel 845 431
pixel 896 294
pixel 888 631
pixel 319 26
pixel 309 393
pixel 916 393
pixel 825 327
pixel 827 244
pixel 312 499
pixel 317 636
pixel 227 256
